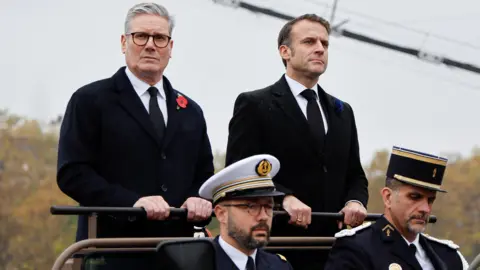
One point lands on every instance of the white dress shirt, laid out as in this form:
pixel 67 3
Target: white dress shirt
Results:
pixel 420 254
pixel 297 89
pixel 239 258
pixel 141 88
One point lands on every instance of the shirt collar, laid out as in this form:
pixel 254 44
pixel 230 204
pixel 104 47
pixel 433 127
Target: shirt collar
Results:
pixel 297 88
pixel 141 87
pixel 239 258
pixel 416 242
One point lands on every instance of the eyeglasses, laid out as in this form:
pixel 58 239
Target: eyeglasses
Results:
pixel 141 38
pixel 254 209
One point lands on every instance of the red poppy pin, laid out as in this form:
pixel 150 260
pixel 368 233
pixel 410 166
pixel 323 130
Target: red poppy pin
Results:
pixel 181 102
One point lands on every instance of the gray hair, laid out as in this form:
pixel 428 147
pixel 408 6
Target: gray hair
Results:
pixel 149 8
pixel 393 184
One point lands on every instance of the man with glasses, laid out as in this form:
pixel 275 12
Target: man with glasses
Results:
pixel 134 140
pixel 396 241
pixel 242 195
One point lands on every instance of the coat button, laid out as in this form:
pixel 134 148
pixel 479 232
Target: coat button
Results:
pixel 164 156
pixel 164 188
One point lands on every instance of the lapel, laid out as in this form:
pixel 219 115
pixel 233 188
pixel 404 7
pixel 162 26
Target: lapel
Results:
pixel 130 101
pixel 334 120
pixel 395 243
pixel 223 261
pixel 284 99
pixel 432 255
pixel 261 261
pixel 173 113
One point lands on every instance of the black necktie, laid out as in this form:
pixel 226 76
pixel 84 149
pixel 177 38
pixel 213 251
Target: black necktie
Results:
pixel 314 116
pixel 156 115
pixel 250 264
pixel 413 249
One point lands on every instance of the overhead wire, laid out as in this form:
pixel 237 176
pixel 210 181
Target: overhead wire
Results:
pixel 415 70
pixel 395 24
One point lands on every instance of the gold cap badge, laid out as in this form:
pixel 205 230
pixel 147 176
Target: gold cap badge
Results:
pixel 264 167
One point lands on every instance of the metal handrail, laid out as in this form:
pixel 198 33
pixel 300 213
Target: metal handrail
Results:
pixel 177 213
pixel 274 243
pixel 475 263
pixel 180 212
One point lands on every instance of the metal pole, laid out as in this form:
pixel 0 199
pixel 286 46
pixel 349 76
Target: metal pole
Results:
pixel 178 213
pixel 333 11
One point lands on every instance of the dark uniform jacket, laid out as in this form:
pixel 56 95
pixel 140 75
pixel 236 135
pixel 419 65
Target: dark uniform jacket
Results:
pixel 380 246
pixel 263 260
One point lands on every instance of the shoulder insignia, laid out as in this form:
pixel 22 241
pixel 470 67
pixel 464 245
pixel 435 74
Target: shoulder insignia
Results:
pixel 449 243
pixel 394 266
pixel 388 229
pixel 350 232
pixel 282 257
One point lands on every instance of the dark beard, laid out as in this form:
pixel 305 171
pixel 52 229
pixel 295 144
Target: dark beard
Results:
pixel 246 240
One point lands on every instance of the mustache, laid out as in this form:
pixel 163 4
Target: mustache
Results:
pixel 422 217
pixel 261 225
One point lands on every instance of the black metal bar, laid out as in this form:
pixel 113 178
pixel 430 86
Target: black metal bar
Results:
pixel 178 212
pixel 339 216
pixel 266 11
pixel 371 41
pixel 129 211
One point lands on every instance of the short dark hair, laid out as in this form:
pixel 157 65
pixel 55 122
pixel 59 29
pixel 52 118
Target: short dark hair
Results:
pixel 284 37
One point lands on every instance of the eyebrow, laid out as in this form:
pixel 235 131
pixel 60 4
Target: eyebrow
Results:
pixel 150 32
pixel 421 195
pixel 323 40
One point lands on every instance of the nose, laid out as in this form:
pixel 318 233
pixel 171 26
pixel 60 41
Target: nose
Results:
pixel 425 207
pixel 150 43
pixel 319 46
pixel 263 215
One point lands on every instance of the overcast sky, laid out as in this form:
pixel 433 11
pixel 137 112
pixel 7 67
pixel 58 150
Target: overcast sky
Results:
pixel 51 48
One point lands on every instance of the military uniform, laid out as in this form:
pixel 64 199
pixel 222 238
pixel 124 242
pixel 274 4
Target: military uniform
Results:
pixel 381 245
pixel 248 178
pixel 263 260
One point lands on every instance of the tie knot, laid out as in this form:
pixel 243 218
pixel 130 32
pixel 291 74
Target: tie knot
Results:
pixel 153 91
pixel 413 248
pixel 309 94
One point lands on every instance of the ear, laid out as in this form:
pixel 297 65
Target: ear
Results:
pixel 123 41
pixel 284 52
pixel 221 213
pixel 387 196
pixel 171 48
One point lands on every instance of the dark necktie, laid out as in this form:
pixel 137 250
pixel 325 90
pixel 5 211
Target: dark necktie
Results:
pixel 314 116
pixel 156 115
pixel 413 249
pixel 250 264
